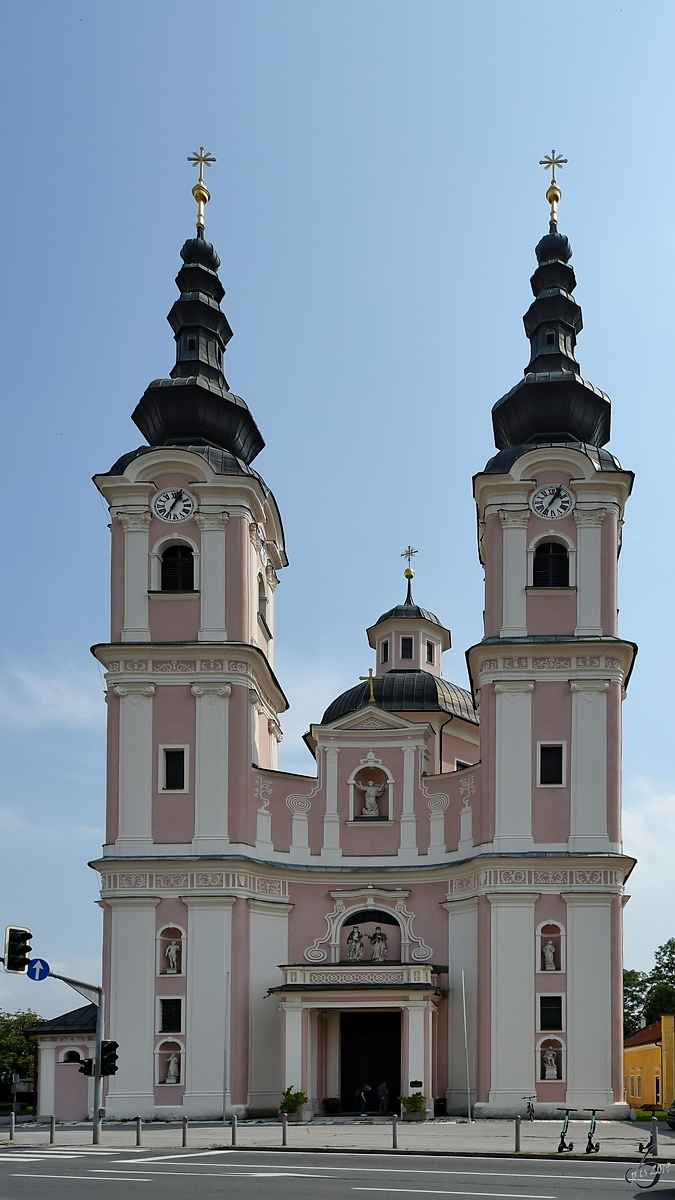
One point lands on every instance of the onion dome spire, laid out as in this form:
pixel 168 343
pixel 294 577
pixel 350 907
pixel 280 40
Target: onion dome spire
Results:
pixel 552 403
pixel 195 405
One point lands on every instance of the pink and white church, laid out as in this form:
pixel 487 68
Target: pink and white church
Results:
pixel 264 929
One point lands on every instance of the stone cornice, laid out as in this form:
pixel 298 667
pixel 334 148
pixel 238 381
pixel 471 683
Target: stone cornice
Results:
pixel 578 661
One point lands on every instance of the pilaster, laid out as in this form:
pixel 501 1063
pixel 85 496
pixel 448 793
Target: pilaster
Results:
pixel 211 767
pixel 212 585
pixel 589 1000
pixel 513 765
pixel 134 834
pixel 136 626
pixel 589 571
pixel 588 791
pixel 209 956
pixel 514 572
pixel 132 1005
pixel 512 999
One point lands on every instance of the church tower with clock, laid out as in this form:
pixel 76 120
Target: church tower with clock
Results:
pixel 264 930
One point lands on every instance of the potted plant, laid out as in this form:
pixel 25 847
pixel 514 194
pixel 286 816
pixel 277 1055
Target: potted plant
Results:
pixel 291 1103
pixel 414 1107
pixel 331 1104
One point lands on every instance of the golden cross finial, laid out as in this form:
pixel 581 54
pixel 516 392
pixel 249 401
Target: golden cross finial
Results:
pixel 408 553
pixel 369 678
pixel 200 191
pixel 553 193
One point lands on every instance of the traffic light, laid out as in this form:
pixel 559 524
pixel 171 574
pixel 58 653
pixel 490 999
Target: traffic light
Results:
pixel 87 1067
pixel 109 1057
pixel 18 950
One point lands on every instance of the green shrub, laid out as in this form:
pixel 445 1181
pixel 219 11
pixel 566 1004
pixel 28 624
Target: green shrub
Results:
pixel 291 1101
pixel 331 1104
pixel 415 1103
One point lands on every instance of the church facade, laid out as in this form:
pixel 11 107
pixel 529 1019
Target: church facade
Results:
pixel 455 852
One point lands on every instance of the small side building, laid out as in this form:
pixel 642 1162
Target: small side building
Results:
pixel 63 1042
pixel 649 1064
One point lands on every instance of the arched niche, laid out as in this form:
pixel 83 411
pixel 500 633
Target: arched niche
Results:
pixel 550 947
pixel 551 1060
pixel 169 1062
pixel 371 769
pixel 367 920
pixel 171 950
pixel 71 1057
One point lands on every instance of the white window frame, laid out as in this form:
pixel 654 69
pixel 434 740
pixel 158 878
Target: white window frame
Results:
pixel 383 642
pixel 539 937
pixel 158 1016
pixel 161 772
pixel 171 539
pixel 434 647
pixel 552 1032
pixel 551 742
pixel 400 647
pixel 553 536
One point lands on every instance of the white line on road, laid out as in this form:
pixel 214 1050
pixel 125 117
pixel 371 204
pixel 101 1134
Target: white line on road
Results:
pixel 82 1178
pixel 418 1171
pixel 288 1174
pixel 169 1157
pixel 436 1192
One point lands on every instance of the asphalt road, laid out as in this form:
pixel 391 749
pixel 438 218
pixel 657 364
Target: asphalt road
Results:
pixel 90 1174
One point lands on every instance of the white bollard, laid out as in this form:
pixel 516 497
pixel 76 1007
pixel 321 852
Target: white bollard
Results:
pixel 12 1126
pixel 519 1120
pixel 284 1129
pixel 234 1129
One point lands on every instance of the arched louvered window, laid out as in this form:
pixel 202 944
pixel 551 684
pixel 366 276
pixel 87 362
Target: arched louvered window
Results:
pixel 551 566
pixel 178 569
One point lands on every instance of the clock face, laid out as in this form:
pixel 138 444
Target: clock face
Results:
pixel 552 502
pixel 174 504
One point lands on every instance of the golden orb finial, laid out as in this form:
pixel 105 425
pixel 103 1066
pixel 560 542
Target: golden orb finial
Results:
pixel 409 573
pixel 553 192
pixel 200 191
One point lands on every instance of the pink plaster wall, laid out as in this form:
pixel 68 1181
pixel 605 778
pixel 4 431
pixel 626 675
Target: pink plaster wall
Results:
pixel 455 746
pixel 554 613
pixel 70 1087
pixel 172 619
pixel 112 766
pixel 551 721
pixel 173 722
pixel 285 784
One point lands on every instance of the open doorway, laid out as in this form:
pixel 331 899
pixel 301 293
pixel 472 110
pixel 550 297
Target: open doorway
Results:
pixel 370 1053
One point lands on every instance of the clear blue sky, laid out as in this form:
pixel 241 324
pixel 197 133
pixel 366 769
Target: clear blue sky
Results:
pixel 376 202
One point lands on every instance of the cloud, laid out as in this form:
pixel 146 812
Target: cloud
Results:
pixel 649 836
pixel 310 687
pixel 55 693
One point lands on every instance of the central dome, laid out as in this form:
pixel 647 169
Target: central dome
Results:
pixel 405 691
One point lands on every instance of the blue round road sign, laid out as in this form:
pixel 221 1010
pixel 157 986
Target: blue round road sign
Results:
pixel 37 969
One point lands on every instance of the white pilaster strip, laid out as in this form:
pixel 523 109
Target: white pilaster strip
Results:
pixel 136 575
pixel 331 820
pixel 589 571
pixel 211 753
pixel 512 1001
pixel 462 956
pixel 514 572
pixel 588 791
pixel 135 769
pixel 269 946
pixel 132 1005
pixel 589 1000
pixel 208 969
pixel 513 765
pixel 212 572
pixel 408 823
pixel 47 1080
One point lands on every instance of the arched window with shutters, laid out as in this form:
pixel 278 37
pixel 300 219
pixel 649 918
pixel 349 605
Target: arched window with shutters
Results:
pixel 178 569
pixel 551 567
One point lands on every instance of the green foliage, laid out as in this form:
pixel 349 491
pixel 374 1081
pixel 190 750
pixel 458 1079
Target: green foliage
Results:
pixel 331 1104
pixel 16 1048
pixel 664 963
pixel 650 995
pixel 292 1101
pixel 635 986
pixel 660 999
pixel 415 1103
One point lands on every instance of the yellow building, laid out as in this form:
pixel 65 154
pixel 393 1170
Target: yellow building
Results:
pixel 649 1064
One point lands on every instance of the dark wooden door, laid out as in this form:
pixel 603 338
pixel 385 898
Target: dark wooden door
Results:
pixel 370 1052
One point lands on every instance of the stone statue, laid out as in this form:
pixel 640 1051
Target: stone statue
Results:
pixel 378 941
pixel 549 956
pixel 372 791
pixel 355 945
pixel 550 1064
pixel 172 952
pixel 172 1070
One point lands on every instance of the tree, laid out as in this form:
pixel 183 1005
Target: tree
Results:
pixel 660 999
pixel 635 987
pixel 17 1047
pixel 664 964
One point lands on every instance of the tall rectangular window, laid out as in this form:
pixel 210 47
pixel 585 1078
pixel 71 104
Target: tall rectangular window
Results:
pixel 632 1085
pixel 174 770
pixel 170 1016
pixel 657 1089
pixel 384 652
pixel 639 1079
pixel 551 766
pixel 406 647
pixel 430 652
pixel 550 1012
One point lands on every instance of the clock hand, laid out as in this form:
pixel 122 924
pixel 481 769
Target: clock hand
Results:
pixel 554 497
pixel 177 496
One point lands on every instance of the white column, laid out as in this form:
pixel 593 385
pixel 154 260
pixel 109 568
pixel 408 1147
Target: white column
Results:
pixel 136 576
pixel 419 1015
pixel 512 1000
pixel 589 1000
pixel 292 1044
pixel 46 1079
pixel 513 766
pixel 514 572
pixel 588 791
pixel 408 823
pixel 462 956
pixel 268 948
pixel 135 769
pixel 209 942
pixel 331 820
pixel 332 1052
pixel 589 571
pixel 211 746
pixel 299 806
pixel 132 1005
pixel 212 576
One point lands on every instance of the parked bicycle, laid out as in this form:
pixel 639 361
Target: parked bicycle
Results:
pixel 591 1146
pixel 530 1107
pixel 563 1133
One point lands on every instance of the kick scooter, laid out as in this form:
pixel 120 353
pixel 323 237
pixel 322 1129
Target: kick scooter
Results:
pixel 591 1146
pixel 563 1144
pixel 530 1107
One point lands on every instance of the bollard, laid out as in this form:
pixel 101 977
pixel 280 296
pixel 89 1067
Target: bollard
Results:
pixel 655 1135
pixel 52 1130
pixel 139 1125
pixel 284 1129
pixel 234 1129
pixel 518 1124
pixel 12 1126
pixel 394 1131
pixel 185 1129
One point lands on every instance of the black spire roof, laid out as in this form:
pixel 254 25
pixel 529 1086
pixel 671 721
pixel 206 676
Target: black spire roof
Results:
pixel 409 609
pixel 195 405
pixel 552 403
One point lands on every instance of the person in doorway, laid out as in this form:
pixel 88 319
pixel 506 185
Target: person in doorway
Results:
pixel 364 1099
pixel 383 1097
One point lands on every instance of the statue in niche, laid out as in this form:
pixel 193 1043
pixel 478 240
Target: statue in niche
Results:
pixel 371 791
pixel 550 1064
pixel 355 945
pixel 172 953
pixel 378 941
pixel 172 1070
pixel 549 956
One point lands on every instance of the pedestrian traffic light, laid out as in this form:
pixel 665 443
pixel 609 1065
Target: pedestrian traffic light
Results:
pixel 109 1057
pixel 87 1067
pixel 18 950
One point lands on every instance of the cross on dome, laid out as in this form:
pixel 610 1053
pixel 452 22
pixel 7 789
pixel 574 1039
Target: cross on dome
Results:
pixel 200 191
pixel 553 193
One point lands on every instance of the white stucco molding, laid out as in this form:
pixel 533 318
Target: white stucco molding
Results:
pixel 211 520
pixel 515 685
pixel 589 517
pixel 373 898
pixel 133 522
pixel 589 685
pixel 514 518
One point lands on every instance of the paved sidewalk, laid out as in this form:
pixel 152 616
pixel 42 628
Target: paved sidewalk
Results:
pixel 618 1139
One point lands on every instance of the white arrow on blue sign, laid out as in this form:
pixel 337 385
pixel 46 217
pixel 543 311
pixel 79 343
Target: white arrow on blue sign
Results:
pixel 37 969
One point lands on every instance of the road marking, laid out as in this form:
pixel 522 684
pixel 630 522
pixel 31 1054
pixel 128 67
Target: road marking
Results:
pixel 169 1157
pixel 435 1192
pixel 287 1174
pixel 82 1178
pixel 419 1171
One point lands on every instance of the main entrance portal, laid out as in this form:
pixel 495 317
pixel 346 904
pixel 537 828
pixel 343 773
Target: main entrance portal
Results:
pixel 370 1053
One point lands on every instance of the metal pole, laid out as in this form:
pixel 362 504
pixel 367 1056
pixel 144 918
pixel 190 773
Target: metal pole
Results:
pixel 518 1124
pixel 98 1081
pixel 284 1129
pixel 52 1130
pixel 139 1126
pixel 394 1131
pixel 655 1135
pixel 185 1130
pixel 12 1126
pixel 234 1129
pixel 466 1052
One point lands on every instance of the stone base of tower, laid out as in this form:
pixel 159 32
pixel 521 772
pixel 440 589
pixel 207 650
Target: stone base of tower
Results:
pixel 609 1110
